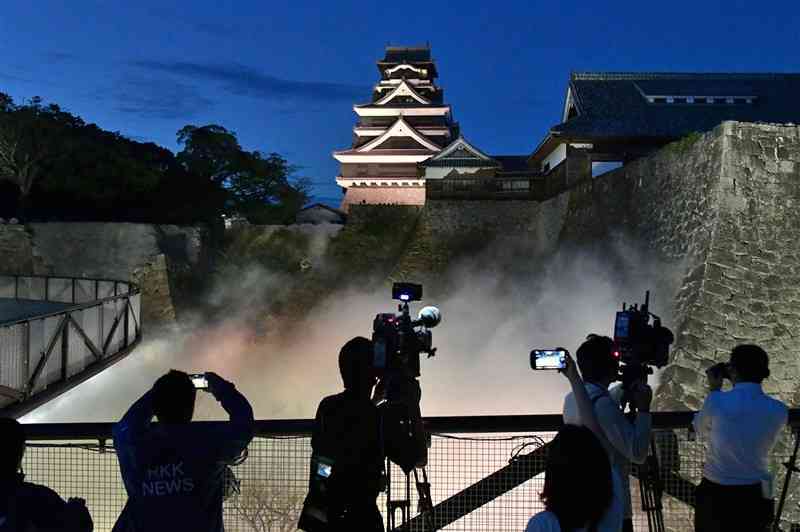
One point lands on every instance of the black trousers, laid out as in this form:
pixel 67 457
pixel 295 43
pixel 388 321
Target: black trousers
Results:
pixel 724 508
pixel 627 525
pixel 362 518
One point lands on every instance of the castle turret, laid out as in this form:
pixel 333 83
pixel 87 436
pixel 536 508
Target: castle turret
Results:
pixel 405 123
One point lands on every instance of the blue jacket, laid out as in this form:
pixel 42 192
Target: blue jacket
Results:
pixel 174 473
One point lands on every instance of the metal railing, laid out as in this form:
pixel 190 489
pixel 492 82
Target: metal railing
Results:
pixel 45 355
pixel 483 475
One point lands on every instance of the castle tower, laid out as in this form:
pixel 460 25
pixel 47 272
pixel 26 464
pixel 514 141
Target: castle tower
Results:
pixel 405 123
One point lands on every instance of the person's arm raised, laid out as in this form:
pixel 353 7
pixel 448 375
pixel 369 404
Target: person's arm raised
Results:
pixel 582 400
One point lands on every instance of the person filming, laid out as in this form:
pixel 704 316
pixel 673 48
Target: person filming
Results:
pixel 351 438
pixel 579 483
pixel 625 442
pixel 174 470
pixel 741 427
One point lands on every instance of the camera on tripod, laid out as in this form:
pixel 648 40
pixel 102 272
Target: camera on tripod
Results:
pixel 638 344
pixel 399 340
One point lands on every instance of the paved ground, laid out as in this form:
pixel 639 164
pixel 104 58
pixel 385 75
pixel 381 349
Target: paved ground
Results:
pixel 17 309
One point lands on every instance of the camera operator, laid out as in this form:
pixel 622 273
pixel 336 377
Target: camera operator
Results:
pixel 350 441
pixel 26 506
pixel 741 426
pixel 625 441
pixel 174 471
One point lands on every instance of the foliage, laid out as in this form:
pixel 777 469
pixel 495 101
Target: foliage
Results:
pixel 53 165
pixel 685 143
pixel 257 186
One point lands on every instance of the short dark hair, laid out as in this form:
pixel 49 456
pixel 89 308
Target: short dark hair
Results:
pixel 355 361
pixel 750 362
pixel 596 358
pixel 173 397
pixel 12 446
pixel 577 483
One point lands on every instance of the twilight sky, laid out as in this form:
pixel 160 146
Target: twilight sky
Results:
pixel 284 75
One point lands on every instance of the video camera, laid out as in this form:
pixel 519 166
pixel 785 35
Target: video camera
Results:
pixel 639 345
pixel 398 340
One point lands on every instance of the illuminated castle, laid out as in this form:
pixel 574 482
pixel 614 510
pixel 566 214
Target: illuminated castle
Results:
pixel 405 123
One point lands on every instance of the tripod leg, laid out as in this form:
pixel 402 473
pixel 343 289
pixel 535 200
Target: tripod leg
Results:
pixel 791 467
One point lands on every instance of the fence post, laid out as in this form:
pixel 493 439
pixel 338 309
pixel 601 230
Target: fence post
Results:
pixel 65 348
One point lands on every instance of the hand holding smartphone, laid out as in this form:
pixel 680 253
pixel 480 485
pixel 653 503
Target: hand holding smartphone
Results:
pixel 199 380
pixel 544 359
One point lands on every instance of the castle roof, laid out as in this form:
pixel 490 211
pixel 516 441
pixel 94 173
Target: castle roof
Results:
pixel 671 105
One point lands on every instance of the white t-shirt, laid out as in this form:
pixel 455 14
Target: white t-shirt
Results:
pixel 546 522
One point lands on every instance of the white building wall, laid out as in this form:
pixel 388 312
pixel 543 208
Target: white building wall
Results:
pixel 440 172
pixel 555 157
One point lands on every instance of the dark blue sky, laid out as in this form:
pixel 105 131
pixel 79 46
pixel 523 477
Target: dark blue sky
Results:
pixel 284 75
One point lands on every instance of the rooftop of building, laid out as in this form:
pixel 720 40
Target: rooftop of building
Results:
pixel 407 54
pixel 671 105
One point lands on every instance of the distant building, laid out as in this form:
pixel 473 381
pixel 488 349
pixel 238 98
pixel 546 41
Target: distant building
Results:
pixel 406 123
pixel 320 214
pixel 407 148
pixel 611 118
pixel 462 171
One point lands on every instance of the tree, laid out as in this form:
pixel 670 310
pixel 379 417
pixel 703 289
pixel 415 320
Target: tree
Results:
pixel 256 186
pixel 33 137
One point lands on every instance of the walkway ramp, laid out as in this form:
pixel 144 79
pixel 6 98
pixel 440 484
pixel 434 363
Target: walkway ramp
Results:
pixel 56 332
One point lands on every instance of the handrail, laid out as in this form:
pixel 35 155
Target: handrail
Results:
pixel 44 361
pixel 435 425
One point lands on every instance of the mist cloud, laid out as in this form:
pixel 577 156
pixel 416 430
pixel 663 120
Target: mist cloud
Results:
pixel 493 317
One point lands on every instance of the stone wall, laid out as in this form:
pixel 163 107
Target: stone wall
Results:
pixel 383 196
pixel 17 254
pixel 151 255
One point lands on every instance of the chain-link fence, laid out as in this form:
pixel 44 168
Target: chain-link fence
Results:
pixel 479 481
pixel 42 355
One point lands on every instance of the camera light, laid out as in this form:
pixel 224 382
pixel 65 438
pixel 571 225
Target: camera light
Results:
pixel 616 354
pixel 404 297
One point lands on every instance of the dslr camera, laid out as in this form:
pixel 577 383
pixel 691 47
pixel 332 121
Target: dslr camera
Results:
pixel 399 340
pixel 638 344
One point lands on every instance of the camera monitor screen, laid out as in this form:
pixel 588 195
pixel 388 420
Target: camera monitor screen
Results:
pixel 324 470
pixel 548 359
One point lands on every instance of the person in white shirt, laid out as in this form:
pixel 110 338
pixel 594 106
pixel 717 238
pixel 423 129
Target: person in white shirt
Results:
pixel 624 441
pixel 741 427
pixel 579 483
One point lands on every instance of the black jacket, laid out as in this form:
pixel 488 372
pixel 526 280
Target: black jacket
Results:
pixel 30 507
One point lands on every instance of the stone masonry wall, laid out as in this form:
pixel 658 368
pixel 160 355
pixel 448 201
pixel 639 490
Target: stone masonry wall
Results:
pixel 144 253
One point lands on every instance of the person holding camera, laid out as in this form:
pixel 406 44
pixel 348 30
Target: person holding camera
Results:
pixel 579 483
pixel 741 427
pixel 26 506
pixel 351 438
pixel 625 441
pixel 174 471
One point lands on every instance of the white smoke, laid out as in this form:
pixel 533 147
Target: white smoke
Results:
pixel 493 317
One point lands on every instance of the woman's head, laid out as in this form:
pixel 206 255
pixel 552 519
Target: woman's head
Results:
pixel 577 484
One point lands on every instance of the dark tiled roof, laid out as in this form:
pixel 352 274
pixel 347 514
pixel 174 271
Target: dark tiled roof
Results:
pixel 410 54
pixel 513 163
pixel 614 104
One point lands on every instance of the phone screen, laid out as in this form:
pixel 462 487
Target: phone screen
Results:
pixel 324 470
pixel 548 359
pixel 199 381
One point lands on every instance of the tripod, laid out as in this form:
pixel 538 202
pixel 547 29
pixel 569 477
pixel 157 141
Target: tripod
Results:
pixel 791 467
pixel 651 489
pixel 424 503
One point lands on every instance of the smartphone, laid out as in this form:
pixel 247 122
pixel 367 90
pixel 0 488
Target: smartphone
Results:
pixel 324 470
pixel 548 359
pixel 199 380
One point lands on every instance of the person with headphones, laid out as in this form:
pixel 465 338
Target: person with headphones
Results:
pixel 741 427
